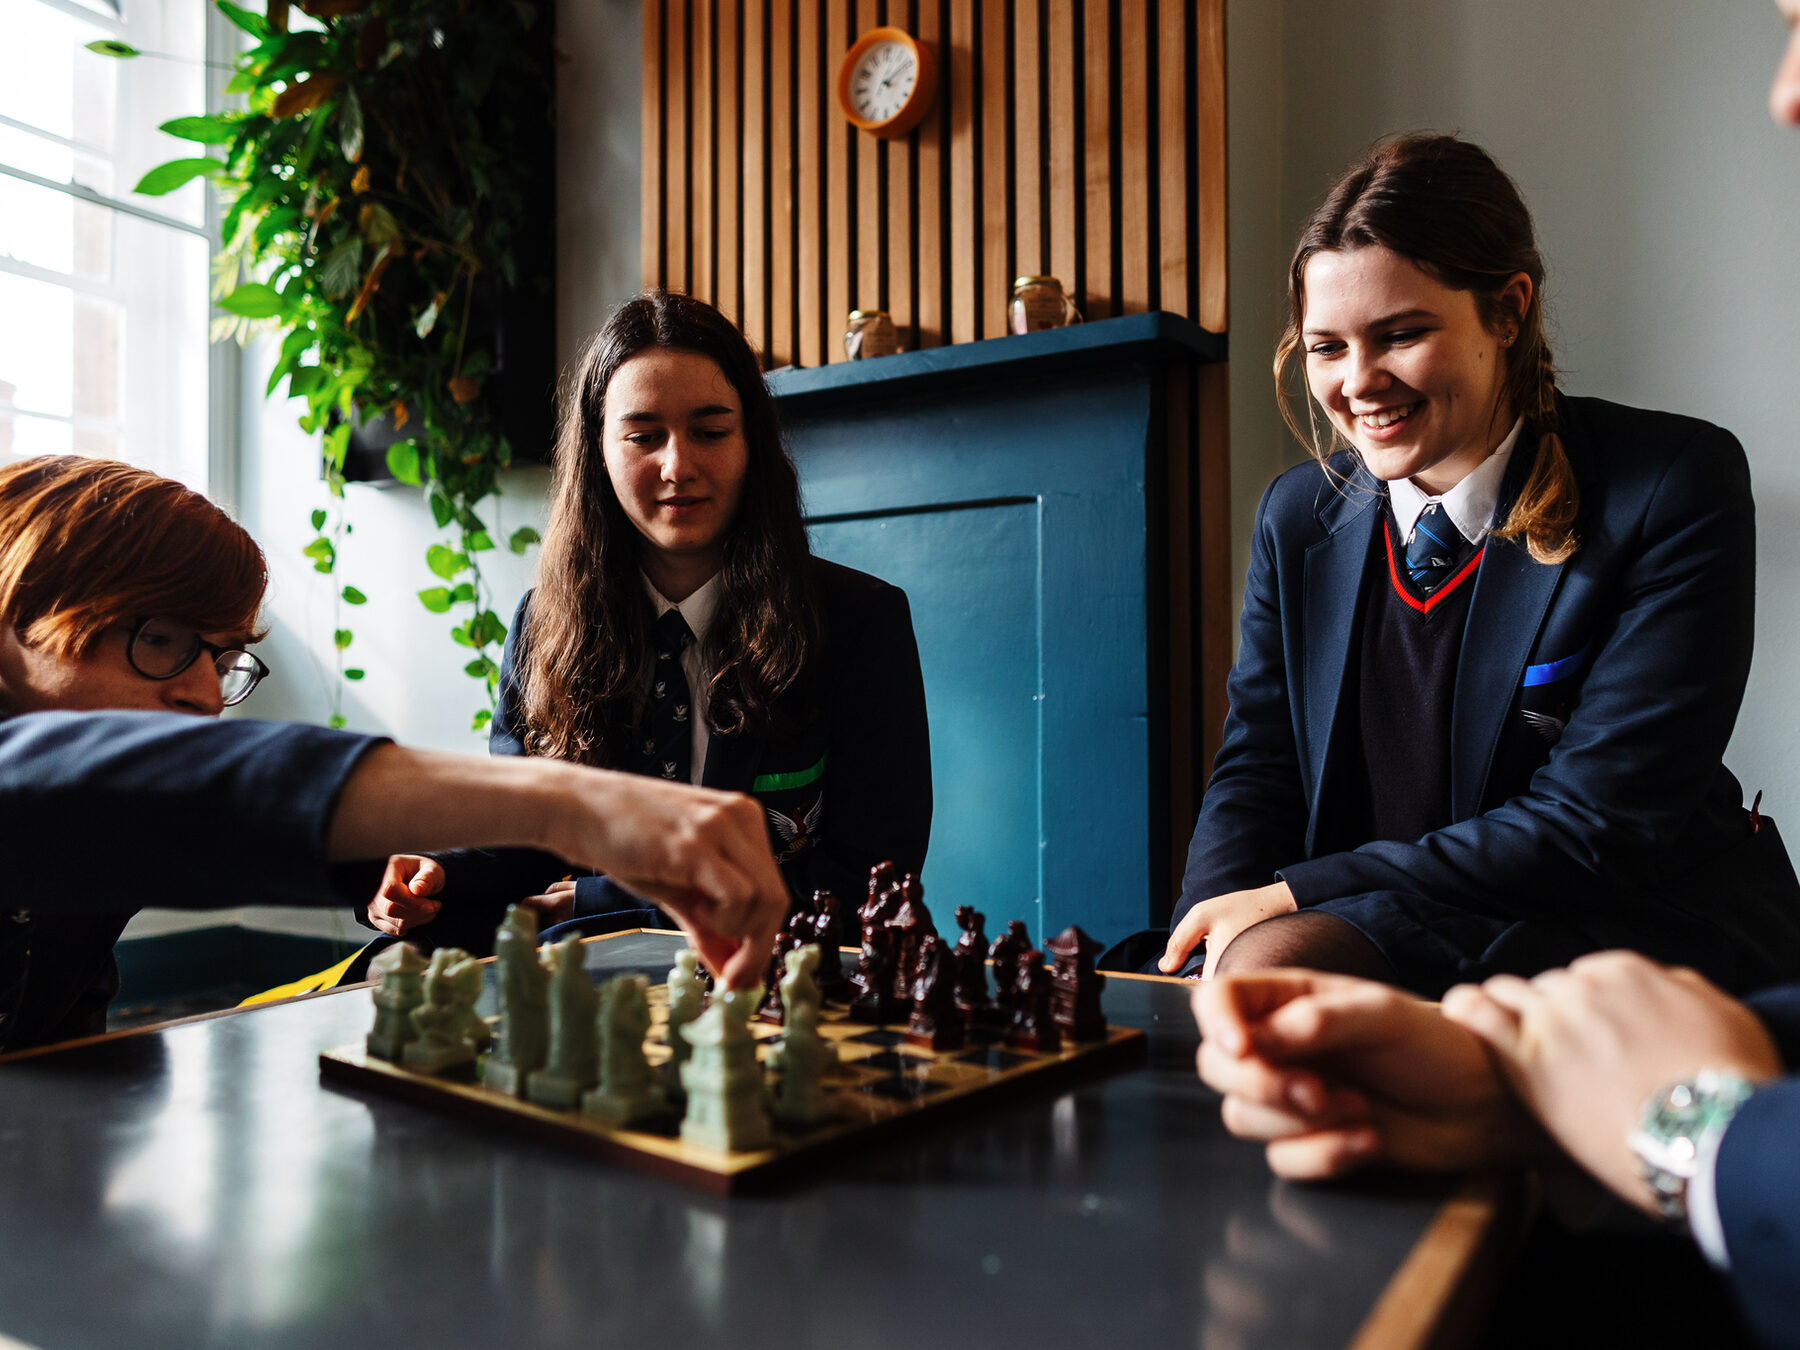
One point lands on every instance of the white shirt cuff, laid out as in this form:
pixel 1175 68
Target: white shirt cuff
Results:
pixel 1703 1205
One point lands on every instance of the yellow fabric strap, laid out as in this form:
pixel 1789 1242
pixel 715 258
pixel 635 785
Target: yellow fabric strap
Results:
pixel 307 984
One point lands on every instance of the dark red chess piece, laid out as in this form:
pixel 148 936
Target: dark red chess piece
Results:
pixel 1004 955
pixel 828 932
pixel 910 923
pixel 935 1023
pixel 794 934
pixel 872 986
pixel 969 959
pixel 1032 1026
pixel 1075 985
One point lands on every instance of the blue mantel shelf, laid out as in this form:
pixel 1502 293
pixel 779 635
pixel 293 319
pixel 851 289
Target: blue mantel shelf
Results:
pixel 1158 338
pixel 1022 490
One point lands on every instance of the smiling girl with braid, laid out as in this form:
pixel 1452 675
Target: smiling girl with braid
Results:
pixel 1494 639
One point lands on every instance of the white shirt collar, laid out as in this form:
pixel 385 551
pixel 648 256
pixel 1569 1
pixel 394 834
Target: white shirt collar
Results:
pixel 1470 504
pixel 697 609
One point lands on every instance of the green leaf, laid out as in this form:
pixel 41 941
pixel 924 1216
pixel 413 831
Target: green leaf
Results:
pixel 320 550
pixel 479 542
pixel 441 509
pixel 253 300
pixel 460 635
pixel 353 674
pixel 482 719
pixel 486 627
pixel 336 723
pixel 437 600
pixel 457 223
pixel 305 382
pixel 464 594
pixel 350 125
pixel 112 47
pixel 340 270
pixel 318 518
pixel 523 538
pixel 342 638
pixel 165 178
pixel 403 461
pixel 241 83
pixel 206 130
pixel 446 562
pixel 480 668
pixel 427 319
pixel 379 226
pixel 352 596
pixel 253 24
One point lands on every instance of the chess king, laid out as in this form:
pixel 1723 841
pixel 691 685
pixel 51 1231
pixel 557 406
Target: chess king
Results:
pixel 680 627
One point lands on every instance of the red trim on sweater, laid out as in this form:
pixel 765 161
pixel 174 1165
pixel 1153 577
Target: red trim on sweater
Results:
pixel 1424 606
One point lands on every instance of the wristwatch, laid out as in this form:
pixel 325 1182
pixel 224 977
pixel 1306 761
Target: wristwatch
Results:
pixel 1679 1126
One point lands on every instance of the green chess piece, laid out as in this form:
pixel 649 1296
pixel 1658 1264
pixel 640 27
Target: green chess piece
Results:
pixel 628 1088
pixel 725 1108
pixel 450 1032
pixel 524 983
pixel 572 1065
pixel 687 1000
pixel 804 1055
pixel 400 969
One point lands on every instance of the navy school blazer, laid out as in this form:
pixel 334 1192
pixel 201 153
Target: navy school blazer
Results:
pixel 1593 702
pixel 849 789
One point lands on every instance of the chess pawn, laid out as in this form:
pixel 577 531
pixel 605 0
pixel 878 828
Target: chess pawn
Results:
pixel 1075 985
pixel 450 1033
pixel 803 1056
pixel 723 1081
pixel 935 1023
pixel 400 969
pixel 1032 1027
pixel 872 986
pixel 969 960
pixel 791 938
pixel 1004 955
pixel 628 1088
pixel 687 998
pixel 572 1065
pixel 882 879
pixel 524 986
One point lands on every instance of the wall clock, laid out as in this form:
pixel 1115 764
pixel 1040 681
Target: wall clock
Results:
pixel 886 82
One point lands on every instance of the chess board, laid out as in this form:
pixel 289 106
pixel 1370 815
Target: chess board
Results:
pixel 881 1086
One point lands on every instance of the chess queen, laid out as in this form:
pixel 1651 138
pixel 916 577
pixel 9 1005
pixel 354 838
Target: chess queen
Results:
pixel 1494 638
pixel 682 628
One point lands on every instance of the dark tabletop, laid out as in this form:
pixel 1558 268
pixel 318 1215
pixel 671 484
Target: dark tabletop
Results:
pixel 198 1186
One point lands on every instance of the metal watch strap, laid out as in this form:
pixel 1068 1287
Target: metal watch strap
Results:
pixel 1678 1124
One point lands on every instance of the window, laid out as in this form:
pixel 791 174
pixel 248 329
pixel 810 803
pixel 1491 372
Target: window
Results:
pixel 103 294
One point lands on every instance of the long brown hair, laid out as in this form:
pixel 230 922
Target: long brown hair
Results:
pixel 588 653
pixel 88 543
pixel 1446 207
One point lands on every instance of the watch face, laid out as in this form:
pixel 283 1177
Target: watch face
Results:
pixel 882 81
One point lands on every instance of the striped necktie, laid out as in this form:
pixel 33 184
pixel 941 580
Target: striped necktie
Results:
pixel 1435 550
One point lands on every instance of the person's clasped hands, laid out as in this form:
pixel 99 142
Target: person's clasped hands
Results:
pixel 1336 1074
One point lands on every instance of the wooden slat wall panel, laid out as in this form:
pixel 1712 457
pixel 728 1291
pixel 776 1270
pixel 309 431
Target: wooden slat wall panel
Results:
pixel 1083 138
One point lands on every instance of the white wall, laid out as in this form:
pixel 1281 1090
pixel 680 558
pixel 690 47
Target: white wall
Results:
pixel 1665 201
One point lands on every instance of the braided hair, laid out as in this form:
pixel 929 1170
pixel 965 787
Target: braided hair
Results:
pixel 1442 203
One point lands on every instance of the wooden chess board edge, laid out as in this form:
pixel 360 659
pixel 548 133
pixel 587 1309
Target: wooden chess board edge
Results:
pixel 720 1174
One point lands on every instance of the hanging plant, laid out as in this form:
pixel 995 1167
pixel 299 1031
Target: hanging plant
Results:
pixel 374 208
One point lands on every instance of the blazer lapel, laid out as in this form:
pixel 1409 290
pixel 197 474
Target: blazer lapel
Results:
pixel 731 762
pixel 1506 613
pixel 1334 578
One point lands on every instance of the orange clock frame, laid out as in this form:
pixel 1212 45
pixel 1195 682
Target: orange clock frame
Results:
pixel 913 111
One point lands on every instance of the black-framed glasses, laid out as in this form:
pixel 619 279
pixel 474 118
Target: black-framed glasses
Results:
pixel 160 649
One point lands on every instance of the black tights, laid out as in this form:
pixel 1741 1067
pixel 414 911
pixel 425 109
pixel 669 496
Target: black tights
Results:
pixel 1309 938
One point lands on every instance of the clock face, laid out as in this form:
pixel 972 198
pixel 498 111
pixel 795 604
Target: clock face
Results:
pixel 882 80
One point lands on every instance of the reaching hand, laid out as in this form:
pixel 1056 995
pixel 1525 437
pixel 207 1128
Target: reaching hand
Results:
pixel 1221 919
pixel 402 901
pixel 1587 1046
pixel 1336 1073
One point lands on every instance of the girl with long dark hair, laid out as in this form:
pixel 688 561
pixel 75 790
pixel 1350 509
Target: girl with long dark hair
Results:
pixel 1494 638
pixel 682 628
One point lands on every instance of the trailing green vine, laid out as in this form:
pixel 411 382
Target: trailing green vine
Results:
pixel 374 206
